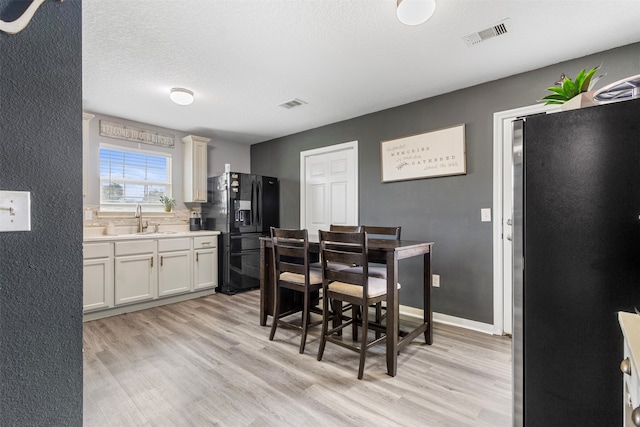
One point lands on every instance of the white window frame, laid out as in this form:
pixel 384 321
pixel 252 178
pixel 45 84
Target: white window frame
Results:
pixel 155 206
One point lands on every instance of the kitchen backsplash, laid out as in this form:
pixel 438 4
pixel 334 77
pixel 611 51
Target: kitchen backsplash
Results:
pixel 97 225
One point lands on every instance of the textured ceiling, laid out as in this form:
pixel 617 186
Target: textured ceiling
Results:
pixel 344 58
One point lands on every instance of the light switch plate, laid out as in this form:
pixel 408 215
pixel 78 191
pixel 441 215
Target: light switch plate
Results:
pixel 15 211
pixel 485 214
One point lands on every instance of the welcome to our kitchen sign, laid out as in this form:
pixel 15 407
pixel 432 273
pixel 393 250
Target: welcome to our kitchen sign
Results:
pixel 427 155
pixel 129 133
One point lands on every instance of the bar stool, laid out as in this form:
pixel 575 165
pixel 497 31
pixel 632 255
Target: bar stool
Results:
pixel 354 287
pixel 291 271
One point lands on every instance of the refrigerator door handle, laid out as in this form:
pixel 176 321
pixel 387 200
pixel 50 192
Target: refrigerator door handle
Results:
pixel 259 204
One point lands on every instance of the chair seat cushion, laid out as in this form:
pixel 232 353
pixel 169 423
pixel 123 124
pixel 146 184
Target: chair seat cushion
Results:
pixel 332 265
pixel 315 277
pixel 377 287
pixel 377 272
pixel 380 272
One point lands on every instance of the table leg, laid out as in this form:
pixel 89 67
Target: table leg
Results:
pixel 392 314
pixel 266 293
pixel 428 311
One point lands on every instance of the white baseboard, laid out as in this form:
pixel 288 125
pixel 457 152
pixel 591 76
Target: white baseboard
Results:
pixel 416 313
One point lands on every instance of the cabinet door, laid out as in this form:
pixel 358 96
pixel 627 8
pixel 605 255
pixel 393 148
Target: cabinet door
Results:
pixel 205 270
pixel 200 172
pixel 174 274
pixel 98 284
pixel 135 279
pixel 194 169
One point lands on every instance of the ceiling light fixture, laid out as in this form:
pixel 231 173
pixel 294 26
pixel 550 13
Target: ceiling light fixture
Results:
pixel 181 96
pixel 415 12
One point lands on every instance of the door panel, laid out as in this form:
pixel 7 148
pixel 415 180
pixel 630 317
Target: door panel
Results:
pixel 330 190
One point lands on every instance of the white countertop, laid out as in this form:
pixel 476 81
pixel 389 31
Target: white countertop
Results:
pixel 149 235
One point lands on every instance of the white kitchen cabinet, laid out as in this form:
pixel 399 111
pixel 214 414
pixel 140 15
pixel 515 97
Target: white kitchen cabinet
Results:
pixel 195 169
pixel 129 273
pixel 97 276
pixel 136 277
pixel 86 118
pixel 205 262
pixel 630 325
pixel 174 271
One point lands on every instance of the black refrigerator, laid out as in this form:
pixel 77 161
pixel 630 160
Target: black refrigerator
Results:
pixel 242 207
pixel 576 243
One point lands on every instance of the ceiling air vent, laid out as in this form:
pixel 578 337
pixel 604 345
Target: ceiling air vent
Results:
pixel 480 36
pixel 295 102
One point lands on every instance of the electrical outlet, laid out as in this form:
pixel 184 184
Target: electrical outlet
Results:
pixel 436 280
pixel 485 214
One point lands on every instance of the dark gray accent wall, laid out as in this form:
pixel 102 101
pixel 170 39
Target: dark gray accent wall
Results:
pixel 41 270
pixel 444 210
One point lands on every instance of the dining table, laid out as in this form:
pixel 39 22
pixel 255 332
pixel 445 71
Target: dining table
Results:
pixel 387 251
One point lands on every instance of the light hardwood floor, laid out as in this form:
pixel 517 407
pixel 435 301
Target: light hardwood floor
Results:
pixel 207 362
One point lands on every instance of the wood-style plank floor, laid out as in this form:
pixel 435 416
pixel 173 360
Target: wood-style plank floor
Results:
pixel 208 362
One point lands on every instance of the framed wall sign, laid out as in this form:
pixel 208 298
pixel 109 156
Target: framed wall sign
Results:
pixel 438 153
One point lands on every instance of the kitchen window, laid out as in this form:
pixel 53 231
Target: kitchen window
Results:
pixel 129 177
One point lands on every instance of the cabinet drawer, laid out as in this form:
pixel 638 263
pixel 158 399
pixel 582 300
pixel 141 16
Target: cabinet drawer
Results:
pixel 135 247
pixel 205 242
pixel 170 245
pixel 97 250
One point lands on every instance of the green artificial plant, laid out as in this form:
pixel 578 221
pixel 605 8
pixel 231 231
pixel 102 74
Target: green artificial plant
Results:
pixel 167 201
pixel 583 82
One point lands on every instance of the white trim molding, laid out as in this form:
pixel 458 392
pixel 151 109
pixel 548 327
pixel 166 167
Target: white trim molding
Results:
pixel 416 313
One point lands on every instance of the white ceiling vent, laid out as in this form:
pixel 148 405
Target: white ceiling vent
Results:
pixel 295 102
pixel 480 36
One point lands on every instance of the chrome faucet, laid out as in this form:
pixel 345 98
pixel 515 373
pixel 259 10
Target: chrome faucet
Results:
pixel 141 227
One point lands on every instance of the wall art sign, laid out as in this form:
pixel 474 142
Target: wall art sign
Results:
pixel 427 155
pixel 128 133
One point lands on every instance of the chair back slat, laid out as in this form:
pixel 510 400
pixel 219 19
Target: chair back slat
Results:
pixel 346 228
pixel 340 249
pixel 290 251
pixel 376 232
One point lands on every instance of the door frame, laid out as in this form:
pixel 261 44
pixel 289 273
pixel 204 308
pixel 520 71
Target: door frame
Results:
pixel 351 145
pixel 500 286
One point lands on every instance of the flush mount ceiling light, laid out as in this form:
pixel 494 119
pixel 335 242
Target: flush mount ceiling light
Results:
pixel 415 12
pixel 181 96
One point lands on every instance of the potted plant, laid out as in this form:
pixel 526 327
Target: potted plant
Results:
pixel 168 203
pixel 570 89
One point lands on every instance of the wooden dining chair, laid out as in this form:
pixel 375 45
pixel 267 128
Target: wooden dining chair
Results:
pixel 354 287
pixel 291 271
pixel 377 269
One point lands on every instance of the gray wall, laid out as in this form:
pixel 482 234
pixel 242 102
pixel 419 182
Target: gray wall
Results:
pixel 445 210
pixel 41 270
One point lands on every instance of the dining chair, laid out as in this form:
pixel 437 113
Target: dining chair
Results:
pixel 354 287
pixel 377 269
pixel 291 271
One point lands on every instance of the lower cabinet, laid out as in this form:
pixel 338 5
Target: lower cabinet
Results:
pixel 135 271
pixel 630 325
pixel 205 265
pixel 98 276
pixel 123 272
pixel 174 274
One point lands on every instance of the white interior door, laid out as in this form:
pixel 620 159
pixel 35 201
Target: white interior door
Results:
pixel 502 190
pixel 329 187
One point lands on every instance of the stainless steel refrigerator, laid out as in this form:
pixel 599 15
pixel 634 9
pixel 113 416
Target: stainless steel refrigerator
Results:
pixel 576 209
pixel 242 207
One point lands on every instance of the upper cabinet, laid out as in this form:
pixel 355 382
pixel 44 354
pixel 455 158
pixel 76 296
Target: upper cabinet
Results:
pixel 195 169
pixel 86 118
